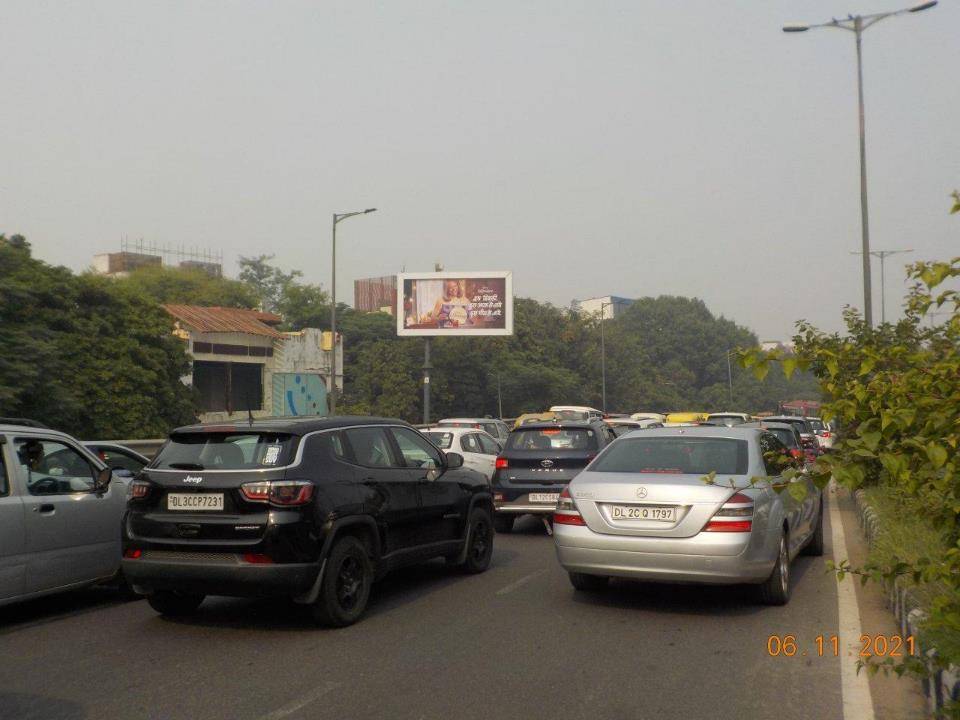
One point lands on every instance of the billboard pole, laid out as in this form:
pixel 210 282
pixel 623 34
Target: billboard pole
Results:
pixel 426 380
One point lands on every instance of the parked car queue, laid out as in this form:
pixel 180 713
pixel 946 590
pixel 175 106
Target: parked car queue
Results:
pixel 318 509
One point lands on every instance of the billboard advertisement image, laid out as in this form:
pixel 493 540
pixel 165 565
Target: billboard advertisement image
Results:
pixel 451 303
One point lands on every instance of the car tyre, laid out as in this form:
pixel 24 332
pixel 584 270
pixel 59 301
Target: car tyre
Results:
pixel 503 523
pixel 814 545
pixel 345 588
pixel 174 604
pixel 775 590
pixel 479 548
pixel 588 583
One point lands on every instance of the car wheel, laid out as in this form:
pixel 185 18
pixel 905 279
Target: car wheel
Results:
pixel 479 542
pixel 173 603
pixel 775 590
pixel 504 523
pixel 588 583
pixel 815 544
pixel 345 588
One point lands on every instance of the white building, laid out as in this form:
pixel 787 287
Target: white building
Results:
pixel 609 305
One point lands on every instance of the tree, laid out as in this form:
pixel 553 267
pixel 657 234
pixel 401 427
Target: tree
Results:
pixel 187 286
pixel 268 282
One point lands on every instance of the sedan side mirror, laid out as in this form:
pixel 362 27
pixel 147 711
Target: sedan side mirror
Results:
pixel 102 481
pixel 454 460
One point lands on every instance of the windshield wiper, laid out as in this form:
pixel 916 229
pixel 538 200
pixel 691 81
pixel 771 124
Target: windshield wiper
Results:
pixel 185 466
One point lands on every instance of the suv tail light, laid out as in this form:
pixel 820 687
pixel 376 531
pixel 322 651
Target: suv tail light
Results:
pixel 502 463
pixel 139 489
pixel 735 515
pixel 566 512
pixel 279 492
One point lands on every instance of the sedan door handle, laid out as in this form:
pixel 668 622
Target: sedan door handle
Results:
pixel 45 509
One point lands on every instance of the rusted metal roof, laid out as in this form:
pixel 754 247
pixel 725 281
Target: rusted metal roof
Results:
pixel 221 319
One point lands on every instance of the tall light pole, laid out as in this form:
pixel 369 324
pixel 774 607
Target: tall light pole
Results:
pixel 882 254
pixel 857 24
pixel 337 218
pixel 730 377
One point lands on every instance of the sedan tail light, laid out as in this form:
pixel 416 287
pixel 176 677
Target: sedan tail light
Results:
pixel 731 517
pixel 566 512
pixel 286 493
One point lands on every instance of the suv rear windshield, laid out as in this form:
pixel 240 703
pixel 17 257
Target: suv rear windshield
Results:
pixel 674 455
pixel 552 439
pixel 225 451
pixel 442 440
pixel 785 436
pixel 817 425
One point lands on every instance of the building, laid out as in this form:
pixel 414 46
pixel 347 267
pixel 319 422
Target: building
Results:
pixel 242 364
pixel 120 264
pixel 378 294
pixel 610 305
pixel 770 345
pixel 212 269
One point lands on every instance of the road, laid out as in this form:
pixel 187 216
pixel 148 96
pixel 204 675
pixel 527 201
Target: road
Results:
pixel 515 642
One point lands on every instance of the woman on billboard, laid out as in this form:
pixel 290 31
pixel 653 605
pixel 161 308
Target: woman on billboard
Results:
pixel 453 308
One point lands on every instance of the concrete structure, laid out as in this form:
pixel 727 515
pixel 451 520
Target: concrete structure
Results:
pixel 768 345
pixel 210 268
pixel 611 305
pixel 120 264
pixel 378 294
pixel 242 363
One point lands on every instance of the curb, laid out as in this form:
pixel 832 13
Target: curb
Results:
pixel 903 603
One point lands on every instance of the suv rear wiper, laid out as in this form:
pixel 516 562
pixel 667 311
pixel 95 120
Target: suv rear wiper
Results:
pixel 186 466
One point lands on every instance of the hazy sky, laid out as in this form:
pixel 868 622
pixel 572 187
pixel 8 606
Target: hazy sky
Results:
pixel 633 148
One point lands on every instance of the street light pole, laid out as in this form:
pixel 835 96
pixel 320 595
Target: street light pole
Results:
pixel 882 254
pixel 857 24
pixel 332 395
pixel 603 359
pixel 730 378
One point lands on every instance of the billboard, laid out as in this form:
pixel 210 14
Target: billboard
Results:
pixel 452 303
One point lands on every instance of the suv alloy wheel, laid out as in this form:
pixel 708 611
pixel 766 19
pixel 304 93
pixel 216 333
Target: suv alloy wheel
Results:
pixel 345 587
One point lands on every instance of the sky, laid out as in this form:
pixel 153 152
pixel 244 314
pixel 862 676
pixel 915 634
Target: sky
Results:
pixel 595 147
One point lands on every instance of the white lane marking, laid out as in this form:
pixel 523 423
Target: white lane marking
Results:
pixel 290 709
pixel 854 686
pixel 520 583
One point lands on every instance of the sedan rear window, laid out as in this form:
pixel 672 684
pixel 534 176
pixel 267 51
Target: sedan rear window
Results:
pixel 674 455
pixel 442 440
pixel 225 451
pixel 785 436
pixel 552 439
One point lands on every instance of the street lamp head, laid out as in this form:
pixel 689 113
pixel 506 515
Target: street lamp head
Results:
pixel 923 6
pixel 369 210
pixel 795 27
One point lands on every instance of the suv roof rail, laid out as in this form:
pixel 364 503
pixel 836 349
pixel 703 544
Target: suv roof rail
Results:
pixel 23 421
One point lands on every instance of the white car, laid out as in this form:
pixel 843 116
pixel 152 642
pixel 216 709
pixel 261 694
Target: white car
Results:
pixel 479 449
pixel 656 417
pixel 728 418
pixel 825 432
pixel 493 426
pixel 587 413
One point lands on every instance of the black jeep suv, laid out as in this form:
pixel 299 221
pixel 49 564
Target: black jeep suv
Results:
pixel 314 509
pixel 538 461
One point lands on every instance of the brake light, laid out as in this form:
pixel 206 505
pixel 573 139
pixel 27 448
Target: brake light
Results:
pixel 286 493
pixel 729 518
pixel 502 463
pixel 139 489
pixel 796 453
pixel 567 513
pixel 498 497
pixel 132 554
pixel 826 435
pixel 257 559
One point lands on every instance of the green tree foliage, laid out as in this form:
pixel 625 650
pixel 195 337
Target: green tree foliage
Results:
pixel 188 286
pixel 84 354
pixel 267 281
pixel 896 392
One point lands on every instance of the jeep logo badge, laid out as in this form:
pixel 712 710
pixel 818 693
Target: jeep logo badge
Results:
pixel 193 479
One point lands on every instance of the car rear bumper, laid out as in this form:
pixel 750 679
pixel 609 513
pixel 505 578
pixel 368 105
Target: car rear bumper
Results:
pixel 228 575
pixel 711 558
pixel 521 508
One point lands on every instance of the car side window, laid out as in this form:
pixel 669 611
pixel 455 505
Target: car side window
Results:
pixel 322 446
pixel 775 455
pixel 4 478
pixel 469 443
pixel 488 446
pixel 371 447
pixel 53 468
pixel 417 451
pixel 117 460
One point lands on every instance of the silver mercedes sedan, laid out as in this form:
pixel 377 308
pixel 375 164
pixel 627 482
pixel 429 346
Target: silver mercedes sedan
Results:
pixel 642 510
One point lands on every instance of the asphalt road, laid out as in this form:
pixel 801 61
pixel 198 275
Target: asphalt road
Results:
pixel 515 642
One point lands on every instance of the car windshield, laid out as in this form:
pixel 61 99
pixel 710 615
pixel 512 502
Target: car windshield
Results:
pixel 817 425
pixel 674 455
pixel 442 440
pixel 225 451
pixel 552 439
pixel 575 415
pixel 785 436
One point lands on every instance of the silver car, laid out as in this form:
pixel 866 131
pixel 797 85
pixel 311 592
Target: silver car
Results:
pixel 642 510
pixel 60 514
